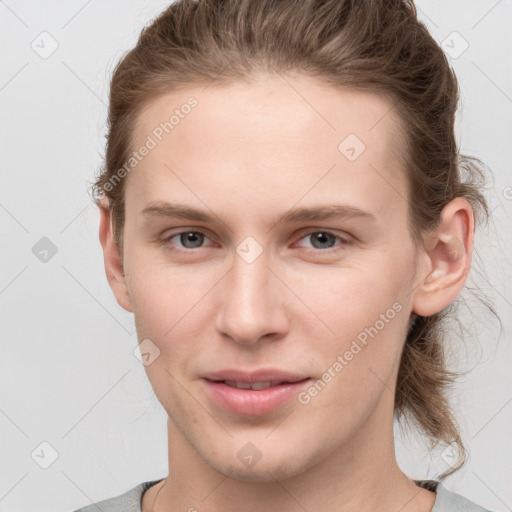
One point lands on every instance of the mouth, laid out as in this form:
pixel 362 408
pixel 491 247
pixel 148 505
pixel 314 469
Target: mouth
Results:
pixel 253 398
pixel 253 385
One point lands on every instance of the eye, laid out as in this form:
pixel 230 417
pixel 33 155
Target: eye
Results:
pixel 187 239
pixel 324 240
pixel 321 240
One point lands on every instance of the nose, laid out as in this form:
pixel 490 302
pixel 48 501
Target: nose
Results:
pixel 252 303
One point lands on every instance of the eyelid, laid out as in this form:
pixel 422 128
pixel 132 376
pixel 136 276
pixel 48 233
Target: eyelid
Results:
pixel 344 239
pixel 308 231
pixel 166 236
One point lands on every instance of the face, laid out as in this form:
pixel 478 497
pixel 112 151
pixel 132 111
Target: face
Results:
pixel 297 258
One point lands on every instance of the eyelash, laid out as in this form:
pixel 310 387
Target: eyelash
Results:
pixel 343 241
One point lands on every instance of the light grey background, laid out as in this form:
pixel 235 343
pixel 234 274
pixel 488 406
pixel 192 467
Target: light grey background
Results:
pixel 68 373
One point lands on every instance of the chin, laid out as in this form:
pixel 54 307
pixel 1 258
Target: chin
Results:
pixel 263 471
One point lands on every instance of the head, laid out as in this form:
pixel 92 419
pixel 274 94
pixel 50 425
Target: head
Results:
pixel 256 113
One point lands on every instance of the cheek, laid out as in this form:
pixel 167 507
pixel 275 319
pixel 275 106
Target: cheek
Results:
pixel 365 310
pixel 352 298
pixel 170 305
pixel 339 304
pixel 359 359
pixel 166 304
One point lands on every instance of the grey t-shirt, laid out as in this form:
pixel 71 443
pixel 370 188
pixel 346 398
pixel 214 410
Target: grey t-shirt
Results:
pixel 131 501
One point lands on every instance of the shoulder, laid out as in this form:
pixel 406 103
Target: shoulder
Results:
pixel 448 501
pixel 129 501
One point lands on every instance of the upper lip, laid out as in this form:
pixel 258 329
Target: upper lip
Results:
pixel 261 375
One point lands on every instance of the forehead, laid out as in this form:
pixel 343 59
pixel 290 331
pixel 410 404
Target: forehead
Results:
pixel 277 138
pixel 297 107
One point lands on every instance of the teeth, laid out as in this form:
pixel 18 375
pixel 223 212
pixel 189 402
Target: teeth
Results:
pixel 261 385
pixel 239 385
pixel 247 385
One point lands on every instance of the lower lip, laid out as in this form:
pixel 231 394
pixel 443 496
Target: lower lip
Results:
pixel 252 402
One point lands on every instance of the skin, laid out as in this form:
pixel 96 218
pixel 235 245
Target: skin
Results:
pixel 247 154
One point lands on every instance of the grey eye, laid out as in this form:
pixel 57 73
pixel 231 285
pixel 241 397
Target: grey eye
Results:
pixel 322 240
pixel 191 239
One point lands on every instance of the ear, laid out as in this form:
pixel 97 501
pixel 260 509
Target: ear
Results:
pixel 447 252
pixel 111 256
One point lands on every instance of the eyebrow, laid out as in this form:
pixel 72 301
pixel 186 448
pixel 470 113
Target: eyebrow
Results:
pixel 295 215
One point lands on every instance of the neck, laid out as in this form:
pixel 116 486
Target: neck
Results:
pixel 361 475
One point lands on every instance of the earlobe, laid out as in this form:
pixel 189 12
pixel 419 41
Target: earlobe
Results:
pixel 448 251
pixel 114 269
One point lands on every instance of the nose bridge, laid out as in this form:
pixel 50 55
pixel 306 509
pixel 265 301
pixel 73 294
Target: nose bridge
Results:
pixel 250 306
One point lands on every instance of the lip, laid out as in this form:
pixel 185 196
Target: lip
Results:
pixel 261 375
pixel 249 402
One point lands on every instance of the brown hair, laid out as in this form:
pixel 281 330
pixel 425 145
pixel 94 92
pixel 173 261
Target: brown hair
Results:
pixel 367 45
